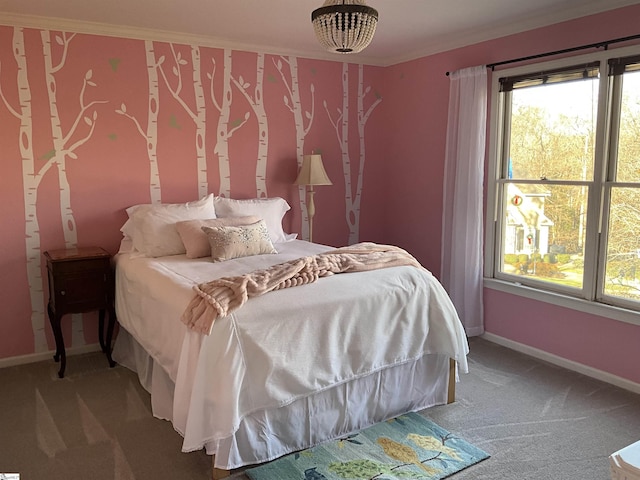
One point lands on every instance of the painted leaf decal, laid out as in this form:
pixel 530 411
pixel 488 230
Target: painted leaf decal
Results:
pixel 92 84
pixel 72 155
pixel 241 80
pixel 88 121
pixel 175 71
pixel 50 154
pixel 88 75
pixel 182 62
pixel 307 114
pixel 114 62
pixel 95 114
pixel 123 107
pixel 59 40
pixel 279 65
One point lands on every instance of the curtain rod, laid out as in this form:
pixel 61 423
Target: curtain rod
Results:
pixel 604 45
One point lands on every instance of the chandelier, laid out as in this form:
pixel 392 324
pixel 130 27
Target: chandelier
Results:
pixel 344 26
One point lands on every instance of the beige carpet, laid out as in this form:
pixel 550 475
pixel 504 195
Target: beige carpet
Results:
pixel 537 421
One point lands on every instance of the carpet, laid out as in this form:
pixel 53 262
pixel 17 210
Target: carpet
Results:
pixel 406 447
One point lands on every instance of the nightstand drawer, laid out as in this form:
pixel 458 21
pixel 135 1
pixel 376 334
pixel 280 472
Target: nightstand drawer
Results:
pixel 80 267
pixel 84 291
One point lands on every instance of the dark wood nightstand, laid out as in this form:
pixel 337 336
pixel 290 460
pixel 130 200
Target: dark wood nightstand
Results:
pixel 80 280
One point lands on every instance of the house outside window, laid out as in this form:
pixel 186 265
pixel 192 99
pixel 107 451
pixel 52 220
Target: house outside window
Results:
pixel 564 186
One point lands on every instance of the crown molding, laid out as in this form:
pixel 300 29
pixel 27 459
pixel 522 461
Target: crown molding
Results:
pixel 136 33
pixel 450 42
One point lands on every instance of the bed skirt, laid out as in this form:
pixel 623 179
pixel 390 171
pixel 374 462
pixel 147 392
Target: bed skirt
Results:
pixel 268 434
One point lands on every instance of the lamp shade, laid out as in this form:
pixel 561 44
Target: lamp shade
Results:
pixel 312 171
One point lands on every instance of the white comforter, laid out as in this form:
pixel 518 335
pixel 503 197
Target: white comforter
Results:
pixel 283 345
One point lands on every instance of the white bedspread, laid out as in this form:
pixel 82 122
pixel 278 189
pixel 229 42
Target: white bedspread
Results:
pixel 284 345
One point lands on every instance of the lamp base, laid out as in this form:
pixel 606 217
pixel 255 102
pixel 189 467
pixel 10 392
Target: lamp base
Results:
pixel 311 211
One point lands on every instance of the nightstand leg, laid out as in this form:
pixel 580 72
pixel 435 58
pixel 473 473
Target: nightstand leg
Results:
pixel 57 334
pixel 110 325
pixel 101 329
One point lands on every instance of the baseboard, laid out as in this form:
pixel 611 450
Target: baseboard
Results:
pixel 563 362
pixel 39 357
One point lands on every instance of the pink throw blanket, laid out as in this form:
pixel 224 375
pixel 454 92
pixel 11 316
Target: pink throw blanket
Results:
pixel 222 296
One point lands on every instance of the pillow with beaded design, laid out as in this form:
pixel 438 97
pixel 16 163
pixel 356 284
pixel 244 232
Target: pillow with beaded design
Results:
pixel 243 241
pixel 195 240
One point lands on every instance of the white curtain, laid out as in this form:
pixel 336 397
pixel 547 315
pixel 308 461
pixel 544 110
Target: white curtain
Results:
pixel 462 232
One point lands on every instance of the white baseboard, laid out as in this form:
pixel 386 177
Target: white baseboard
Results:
pixel 39 357
pixel 563 362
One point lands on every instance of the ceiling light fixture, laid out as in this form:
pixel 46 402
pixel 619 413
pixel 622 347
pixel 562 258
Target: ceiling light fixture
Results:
pixel 344 26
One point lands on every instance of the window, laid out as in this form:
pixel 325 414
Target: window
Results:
pixel 565 183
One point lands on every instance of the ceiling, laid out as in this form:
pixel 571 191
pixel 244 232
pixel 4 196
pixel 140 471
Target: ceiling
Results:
pixel 407 29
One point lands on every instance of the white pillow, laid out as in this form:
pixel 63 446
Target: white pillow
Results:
pixel 152 227
pixel 271 210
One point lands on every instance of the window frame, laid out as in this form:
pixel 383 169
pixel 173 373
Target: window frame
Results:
pixel 592 298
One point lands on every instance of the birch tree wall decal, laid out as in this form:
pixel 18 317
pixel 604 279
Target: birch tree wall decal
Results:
pixel 151 134
pixel 62 149
pixel 30 181
pixel 225 129
pixel 257 104
pixel 294 104
pixel 198 115
pixel 341 126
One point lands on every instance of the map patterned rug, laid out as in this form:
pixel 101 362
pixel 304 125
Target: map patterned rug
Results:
pixel 407 447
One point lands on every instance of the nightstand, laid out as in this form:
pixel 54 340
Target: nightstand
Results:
pixel 80 280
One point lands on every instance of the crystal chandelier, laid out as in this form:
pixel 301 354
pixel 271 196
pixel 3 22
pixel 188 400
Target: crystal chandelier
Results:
pixel 344 26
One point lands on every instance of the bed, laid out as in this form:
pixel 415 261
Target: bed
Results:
pixel 291 368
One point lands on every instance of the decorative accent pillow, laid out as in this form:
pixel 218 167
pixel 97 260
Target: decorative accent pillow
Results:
pixel 271 210
pixel 195 240
pixel 152 227
pixel 235 242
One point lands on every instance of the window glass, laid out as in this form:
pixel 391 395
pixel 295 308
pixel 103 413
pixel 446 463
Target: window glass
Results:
pixel 553 131
pixel 544 233
pixel 628 164
pixel 622 277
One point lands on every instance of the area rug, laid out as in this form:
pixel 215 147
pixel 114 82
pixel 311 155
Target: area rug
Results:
pixel 406 447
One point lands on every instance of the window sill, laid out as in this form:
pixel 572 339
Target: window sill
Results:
pixel 594 308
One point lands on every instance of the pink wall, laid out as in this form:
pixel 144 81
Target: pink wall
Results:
pixel 88 149
pixel 416 104
pixel 404 152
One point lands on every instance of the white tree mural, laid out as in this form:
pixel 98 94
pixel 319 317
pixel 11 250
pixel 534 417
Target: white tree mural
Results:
pixel 225 128
pixel 341 125
pixel 62 146
pixel 31 178
pixel 33 174
pixel 257 104
pixel 151 134
pixel 294 103
pixel 197 114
